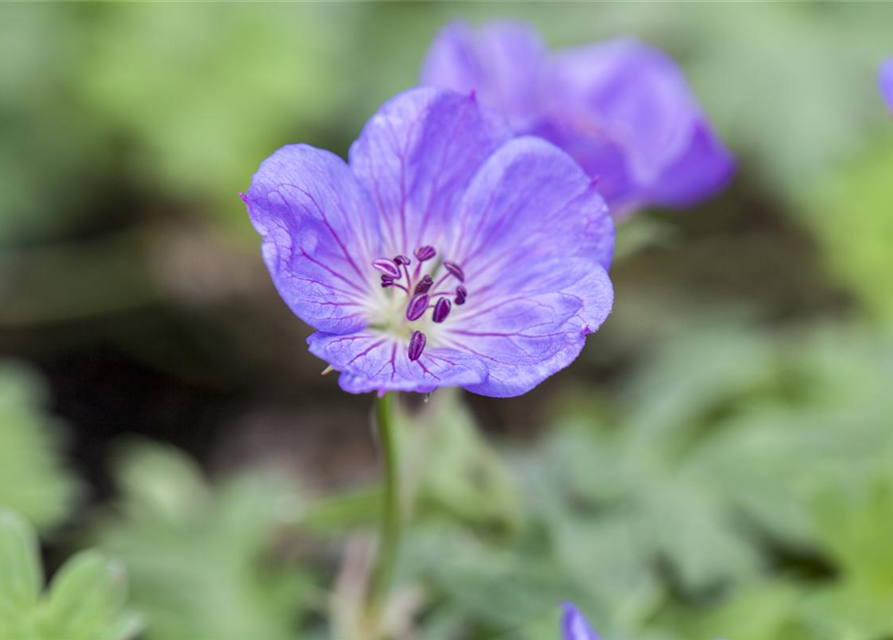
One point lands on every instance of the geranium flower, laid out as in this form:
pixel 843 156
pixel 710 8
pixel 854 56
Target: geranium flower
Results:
pixel 885 82
pixel 622 109
pixel 445 253
pixel 575 626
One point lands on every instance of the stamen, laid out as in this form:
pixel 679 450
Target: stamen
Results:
pixel 416 345
pixel 403 261
pixel 417 306
pixel 424 284
pixel 455 270
pixel 442 310
pixel 387 267
pixel 424 253
pixel 422 290
pixel 388 281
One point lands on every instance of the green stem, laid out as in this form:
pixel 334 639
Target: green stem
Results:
pixel 391 512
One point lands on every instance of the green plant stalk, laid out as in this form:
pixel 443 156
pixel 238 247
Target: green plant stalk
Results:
pixel 391 523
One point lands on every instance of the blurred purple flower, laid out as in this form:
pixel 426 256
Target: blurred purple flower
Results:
pixel 445 253
pixel 885 82
pixel 575 626
pixel 622 109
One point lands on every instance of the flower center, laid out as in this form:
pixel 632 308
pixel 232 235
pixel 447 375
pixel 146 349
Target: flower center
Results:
pixel 422 290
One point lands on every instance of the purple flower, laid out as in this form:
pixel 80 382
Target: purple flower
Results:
pixel 885 82
pixel 575 626
pixel 512 235
pixel 622 109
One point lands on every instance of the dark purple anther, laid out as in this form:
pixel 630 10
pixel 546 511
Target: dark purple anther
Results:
pixel 461 294
pixel 425 253
pixel 442 310
pixel 401 259
pixel 416 307
pixel 424 284
pixel 455 270
pixel 387 267
pixel 387 281
pixel 416 345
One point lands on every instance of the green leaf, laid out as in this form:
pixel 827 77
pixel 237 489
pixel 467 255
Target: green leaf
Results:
pixel 854 528
pixel 764 611
pixel 33 480
pixel 459 474
pixel 204 561
pixel 83 595
pixel 857 244
pixel 664 512
pixel 84 602
pixel 20 566
pixel 342 512
pixel 501 587
pixel 159 481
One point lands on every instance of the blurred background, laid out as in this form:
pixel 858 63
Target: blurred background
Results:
pixel 719 462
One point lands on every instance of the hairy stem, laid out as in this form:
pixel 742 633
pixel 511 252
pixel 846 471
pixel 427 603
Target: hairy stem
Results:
pixel 391 512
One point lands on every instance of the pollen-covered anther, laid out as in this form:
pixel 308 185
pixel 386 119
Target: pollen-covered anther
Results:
pixel 417 307
pixel 442 310
pixel 424 253
pixel 424 284
pixel 454 270
pixel 416 345
pixel 387 267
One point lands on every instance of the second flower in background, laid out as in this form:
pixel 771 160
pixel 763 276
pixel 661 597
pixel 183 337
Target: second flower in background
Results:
pixel 622 109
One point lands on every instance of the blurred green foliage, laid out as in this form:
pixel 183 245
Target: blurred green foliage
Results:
pixel 452 473
pixel 203 562
pixel 247 77
pixel 853 219
pixel 34 481
pixel 735 463
pixel 55 151
pixel 738 483
pixel 84 601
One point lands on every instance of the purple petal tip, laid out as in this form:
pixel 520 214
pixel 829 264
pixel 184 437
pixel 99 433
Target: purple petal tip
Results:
pixel 575 626
pixel 885 82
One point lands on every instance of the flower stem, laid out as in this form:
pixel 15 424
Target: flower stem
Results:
pixel 391 511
